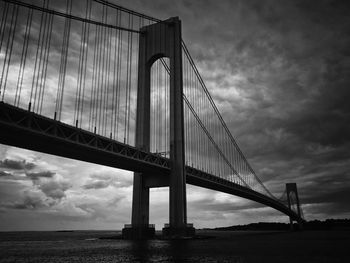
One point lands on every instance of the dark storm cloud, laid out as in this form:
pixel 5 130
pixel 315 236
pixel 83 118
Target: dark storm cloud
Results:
pixel 97 185
pixel 54 189
pixel 16 165
pixel 16 195
pixel 51 185
pixel 327 184
pixel 2 173
pixel 38 175
pixel 31 200
pixel 44 194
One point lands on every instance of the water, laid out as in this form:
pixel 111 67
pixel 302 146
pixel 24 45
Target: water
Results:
pixel 248 246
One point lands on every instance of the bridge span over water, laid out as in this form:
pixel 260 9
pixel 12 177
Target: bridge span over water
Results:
pixel 108 85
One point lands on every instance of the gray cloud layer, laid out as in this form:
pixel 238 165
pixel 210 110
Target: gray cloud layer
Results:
pixel 16 165
pixel 100 181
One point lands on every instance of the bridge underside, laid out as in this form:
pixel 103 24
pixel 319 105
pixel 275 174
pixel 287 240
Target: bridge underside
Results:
pixel 28 130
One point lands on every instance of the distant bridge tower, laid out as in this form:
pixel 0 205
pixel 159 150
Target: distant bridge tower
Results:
pixel 293 199
pixel 159 40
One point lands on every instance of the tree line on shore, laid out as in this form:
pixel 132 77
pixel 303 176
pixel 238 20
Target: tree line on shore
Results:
pixel 328 224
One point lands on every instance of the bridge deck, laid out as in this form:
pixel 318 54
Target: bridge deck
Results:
pixel 28 130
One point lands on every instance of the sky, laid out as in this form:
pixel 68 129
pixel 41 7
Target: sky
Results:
pixel 278 72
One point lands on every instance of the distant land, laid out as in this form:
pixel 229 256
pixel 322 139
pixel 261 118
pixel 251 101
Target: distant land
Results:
pixel 328 224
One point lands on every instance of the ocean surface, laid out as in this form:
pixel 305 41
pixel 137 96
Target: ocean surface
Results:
pixel 215 246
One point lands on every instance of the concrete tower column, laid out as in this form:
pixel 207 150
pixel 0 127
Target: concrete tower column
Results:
pixel 140 227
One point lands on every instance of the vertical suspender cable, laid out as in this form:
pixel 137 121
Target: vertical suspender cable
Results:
pixel 105 75
pixel 8 54
pixel 93 82
pixel 114 90
pixel 108 81
pixel 2 32
pixel 41 62
pixel 23 57
pixel 120 50
pixel 46 58
pixel 3 23
pixel 126 82
pixel 99 86
pixel 63 62
pixel 129 80
pixel 80 71
pixel 85 60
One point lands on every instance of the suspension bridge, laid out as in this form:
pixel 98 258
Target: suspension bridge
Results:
pixel 94 81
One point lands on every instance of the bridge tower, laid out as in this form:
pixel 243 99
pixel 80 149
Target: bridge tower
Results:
pixel 159 40
pixel 292 191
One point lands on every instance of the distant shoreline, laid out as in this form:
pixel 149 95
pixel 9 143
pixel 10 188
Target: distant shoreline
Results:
pixel 328 224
